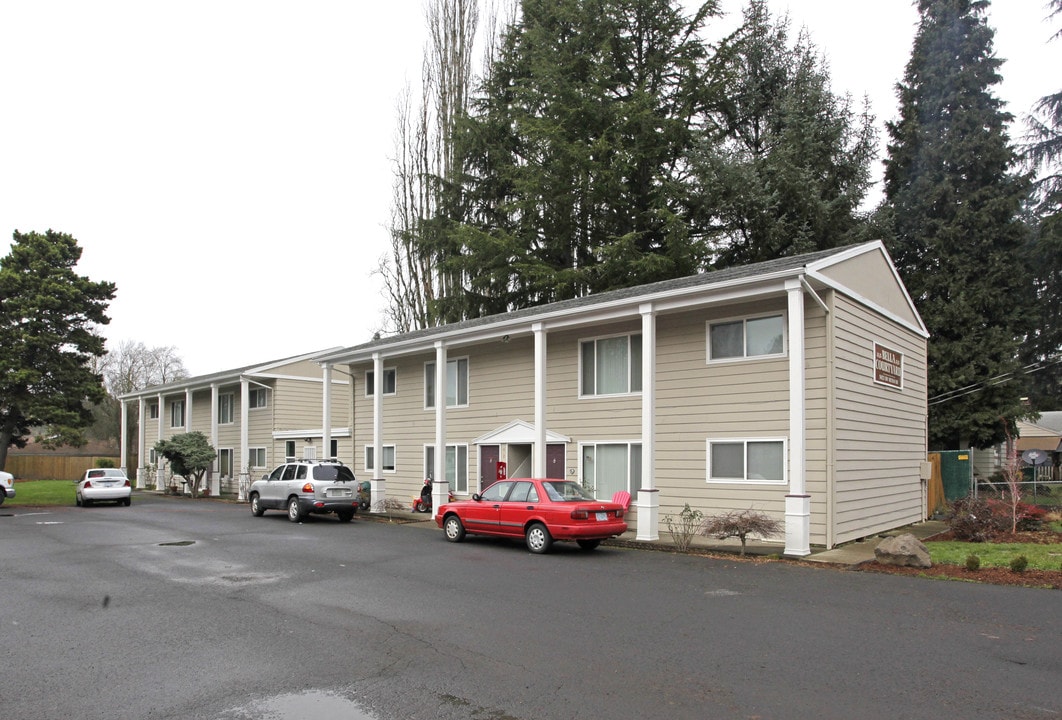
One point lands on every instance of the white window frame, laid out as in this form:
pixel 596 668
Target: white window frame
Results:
pixel 153 411
pixel 177 406
pixel 634 376
pixel 634 465
pixel 744 320
pixel 369 462
pixel 429 382
pixel 257 398
pixel 745 480
pixel 457 487
pixel 289 451
pixel 226 408
pixel 257 453
pixel 388 373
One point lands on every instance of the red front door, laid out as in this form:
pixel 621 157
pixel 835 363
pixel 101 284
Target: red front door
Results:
pixel 489 455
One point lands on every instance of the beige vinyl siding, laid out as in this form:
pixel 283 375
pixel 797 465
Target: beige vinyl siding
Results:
pixel 879 432
pixel 870 276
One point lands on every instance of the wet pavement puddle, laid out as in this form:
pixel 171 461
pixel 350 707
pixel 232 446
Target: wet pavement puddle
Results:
pixel 315 704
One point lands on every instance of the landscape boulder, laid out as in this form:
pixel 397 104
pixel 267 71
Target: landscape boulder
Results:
pixel 904 550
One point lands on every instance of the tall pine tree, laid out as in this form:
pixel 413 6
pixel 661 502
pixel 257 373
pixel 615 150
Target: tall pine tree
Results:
pixel 954 201
pixel 576 154
pixel 786 163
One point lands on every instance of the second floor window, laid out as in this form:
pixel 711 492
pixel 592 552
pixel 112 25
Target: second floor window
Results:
pixel 611 366
pixel 257 398
pixel 225 409
pixel 456 383
pixel 390 382
pixel 177 414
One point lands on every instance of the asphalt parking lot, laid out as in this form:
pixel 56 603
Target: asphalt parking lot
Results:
pixel 175 608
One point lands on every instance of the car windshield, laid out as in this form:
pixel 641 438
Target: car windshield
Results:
pixel 565 491
pixel 332 473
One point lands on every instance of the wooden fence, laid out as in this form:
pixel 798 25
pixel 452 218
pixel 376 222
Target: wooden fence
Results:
pixel 54 467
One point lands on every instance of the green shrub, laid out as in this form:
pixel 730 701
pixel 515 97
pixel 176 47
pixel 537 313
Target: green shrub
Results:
pixel 973 563
pixel 1019 564
pixel 104 463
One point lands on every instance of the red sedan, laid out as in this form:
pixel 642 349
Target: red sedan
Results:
pixel 540 511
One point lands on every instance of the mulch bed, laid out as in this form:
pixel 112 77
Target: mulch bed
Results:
pixel 990 575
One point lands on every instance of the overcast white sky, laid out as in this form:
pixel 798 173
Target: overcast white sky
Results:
pixel 227 162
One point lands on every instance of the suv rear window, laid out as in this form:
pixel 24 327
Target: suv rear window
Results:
pixel 332 473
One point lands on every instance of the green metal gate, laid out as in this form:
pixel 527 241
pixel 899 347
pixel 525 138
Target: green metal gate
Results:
pixel 956 472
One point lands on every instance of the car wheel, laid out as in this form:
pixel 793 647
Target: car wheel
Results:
pixel 538 538
pixel 85 502
pixel 294 512
pixel 453 529
pixel 256 506
pixel 588 544
pixel 127 502
pixel 345 515
pixel 77 500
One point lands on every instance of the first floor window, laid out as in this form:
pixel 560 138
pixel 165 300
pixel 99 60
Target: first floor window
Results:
pixel 225 462
pixel 333 449
pixel 456 466
pixel 177 414
pixel 751 461
pixel 289 450
pixel 256 457
pixel 750 337
pixel 611 467
pixel 257 398
pixel 225 409
pixel 611 366
pixel 388 458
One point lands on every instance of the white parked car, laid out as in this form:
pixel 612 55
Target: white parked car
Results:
pixel 103 484
pixel 7 486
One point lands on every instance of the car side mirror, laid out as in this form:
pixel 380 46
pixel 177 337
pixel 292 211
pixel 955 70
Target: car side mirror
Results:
pixel 477 497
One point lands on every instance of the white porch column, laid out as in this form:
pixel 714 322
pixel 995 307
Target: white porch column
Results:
pixel 648 496
pixel 440 491
pixel 215 470
pixel 160 475
pixel 538 457
pixel 245 443
pixel 141 442
pixel 123 442
pixel 797 502
pixel 188 428
pixel 326 411
pixel 378 487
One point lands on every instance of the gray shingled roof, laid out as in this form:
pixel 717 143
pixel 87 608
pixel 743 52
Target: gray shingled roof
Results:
pixel 705 279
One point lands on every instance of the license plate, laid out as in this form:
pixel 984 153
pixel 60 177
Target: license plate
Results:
pixel 601 516
pixel 338 492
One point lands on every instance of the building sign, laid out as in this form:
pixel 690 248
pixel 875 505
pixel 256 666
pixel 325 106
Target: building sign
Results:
pixel 888 366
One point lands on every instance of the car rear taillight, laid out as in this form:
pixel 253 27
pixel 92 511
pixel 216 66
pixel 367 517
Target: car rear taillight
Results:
pixel 307 488
pixel 580 515
pixel 127 484
pixel 88 483
pixel 619 513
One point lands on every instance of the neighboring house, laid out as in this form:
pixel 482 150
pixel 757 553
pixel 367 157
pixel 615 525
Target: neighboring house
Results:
pixel 796 387
pixel 255 417
pixel 1044 433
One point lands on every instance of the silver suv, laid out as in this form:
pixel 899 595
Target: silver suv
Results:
pixel 302 487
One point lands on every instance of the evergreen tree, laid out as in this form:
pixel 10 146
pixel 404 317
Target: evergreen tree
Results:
pixel 1042 352
pixel 48 319
pixel 787 162
pixel 576 155
pixel 954 202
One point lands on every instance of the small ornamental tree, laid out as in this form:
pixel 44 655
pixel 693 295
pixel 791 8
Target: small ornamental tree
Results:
pixel 190 456
pixel 741 525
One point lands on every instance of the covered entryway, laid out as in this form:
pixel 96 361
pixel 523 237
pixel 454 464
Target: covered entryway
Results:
pixel 507 452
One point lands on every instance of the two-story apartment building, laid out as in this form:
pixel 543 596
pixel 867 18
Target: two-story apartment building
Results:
pixel 796 387
pixel 255 417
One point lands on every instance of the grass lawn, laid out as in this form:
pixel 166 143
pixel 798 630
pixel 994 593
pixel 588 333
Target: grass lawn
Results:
pixel 1041 557
pixel 43 492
